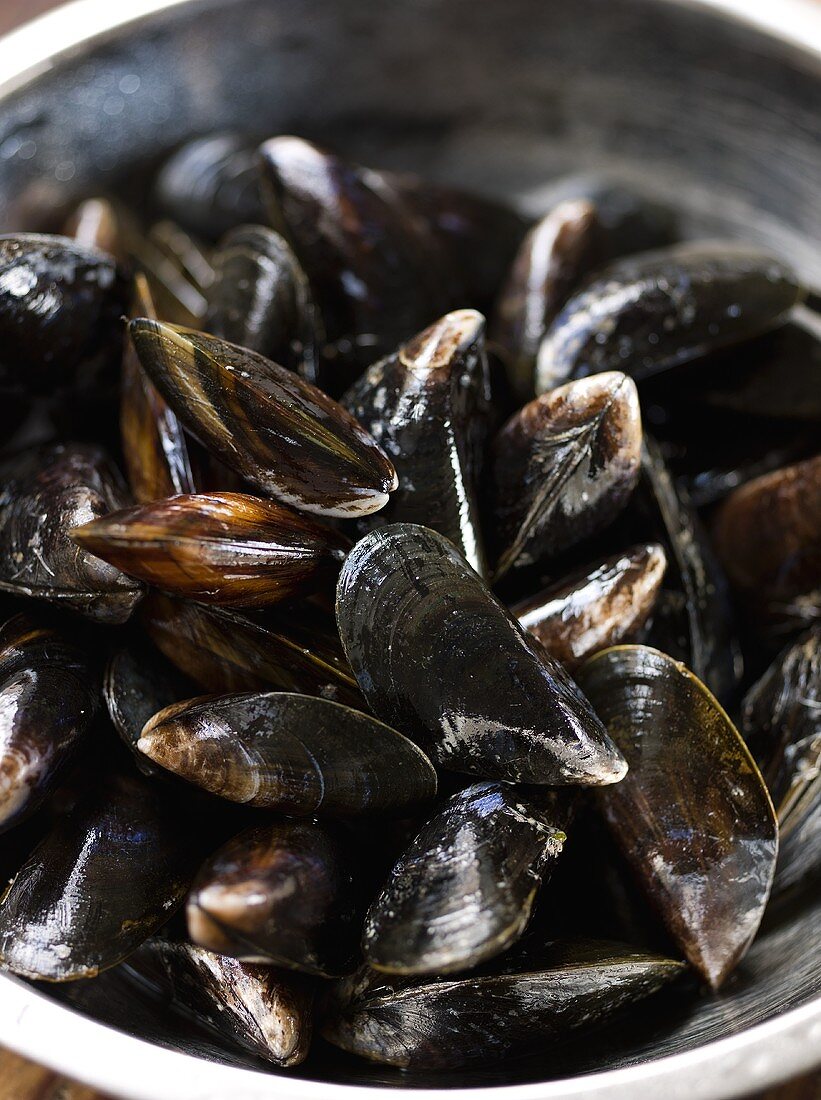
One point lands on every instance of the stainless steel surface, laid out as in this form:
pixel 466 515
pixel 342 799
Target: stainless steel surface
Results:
pixel 711 106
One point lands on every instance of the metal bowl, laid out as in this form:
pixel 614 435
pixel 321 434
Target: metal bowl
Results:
pixel 700 104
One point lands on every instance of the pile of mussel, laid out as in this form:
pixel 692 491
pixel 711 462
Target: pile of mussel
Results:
pixel 369 557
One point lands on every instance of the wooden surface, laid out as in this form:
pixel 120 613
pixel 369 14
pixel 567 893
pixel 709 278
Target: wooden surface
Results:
pixel 21 1080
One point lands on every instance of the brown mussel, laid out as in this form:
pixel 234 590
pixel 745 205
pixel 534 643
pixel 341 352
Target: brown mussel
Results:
pixel 104 879
pixel 688 765
pixel 224 650
pixel 45 492
pixel 280 433
pixel 376 270
pixel 261 300
pixel 49 693
pixel 293 753
pixel 781 721
pixel 281 894
pixel 464 890
pixel 427 408
pixel 656 310
pixel 597 607
pixel 263 1011
pixel 767 535
pixel 60 310
pixel 557 253
pixel 440 659
pixel 230 549
pixel 563 467
pixel 483 1018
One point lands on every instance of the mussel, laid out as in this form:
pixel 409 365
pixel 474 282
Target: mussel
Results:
pixel 781 721
pixel 440 659
pixel 261 300
pixel 557 253
pixel 563 467
pixel 279 432
pixel 292 753
pixel 655 310
pixel 105 878
pixel 265 1012
pixel 427 408
pixel 94 224
pixel 480 1019
pixel 225 548
pixel 596 607
pixel 49 693
pixel 693 817
pixel 464 890
pixel 45 492
pixel 281 894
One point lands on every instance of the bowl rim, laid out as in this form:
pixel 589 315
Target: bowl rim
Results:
pixel 125 1066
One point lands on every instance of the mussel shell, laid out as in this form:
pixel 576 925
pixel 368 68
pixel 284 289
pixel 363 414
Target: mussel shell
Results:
pixel 464 890
pixel 94 224
pixel 557 253
pixel 60 310
pixel 189 256
pixel 693 816
pixel 292 753
pixel 563 467
pixel 261 1010
pixel 427 408
pixel 781 721
pixel 440 659
pixel 597 607
pixel 261 300
pixel 104 879
pixel 375 269
pixel 211 184
pixel 49 693
pixel 230 549
pixel 658 309
pixel 767 535
pixel 281 894
pixel 44 493
pixel 277 431
pixel 456 1022
pixel 155 449
pixel 228 651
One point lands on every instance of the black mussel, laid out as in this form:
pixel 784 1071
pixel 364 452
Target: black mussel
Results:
pixel 211 185
pixel 464 890
pixel 60 310
pixel 767 535
pixel 179 299
pixel 557 253
pixel 597 607
pixel 137 684
pixel 693 618
pixel 49 693
pixel 225 548
pixel 297 754
pixel 281 433
pixel 376 270
pixel 440 659
pixel 189 256
pixel 225 651
pixel 655 310
pixel 427 408
pixel 281 894
pixel 481 1019
pixel 563 467
pixel 781 720
pixel 104 879
pixel 155 449
pixel 94 224
pixel 693 817
pixel 478 235
pixel 266 1012
pixel 261 300
pixel 45 493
